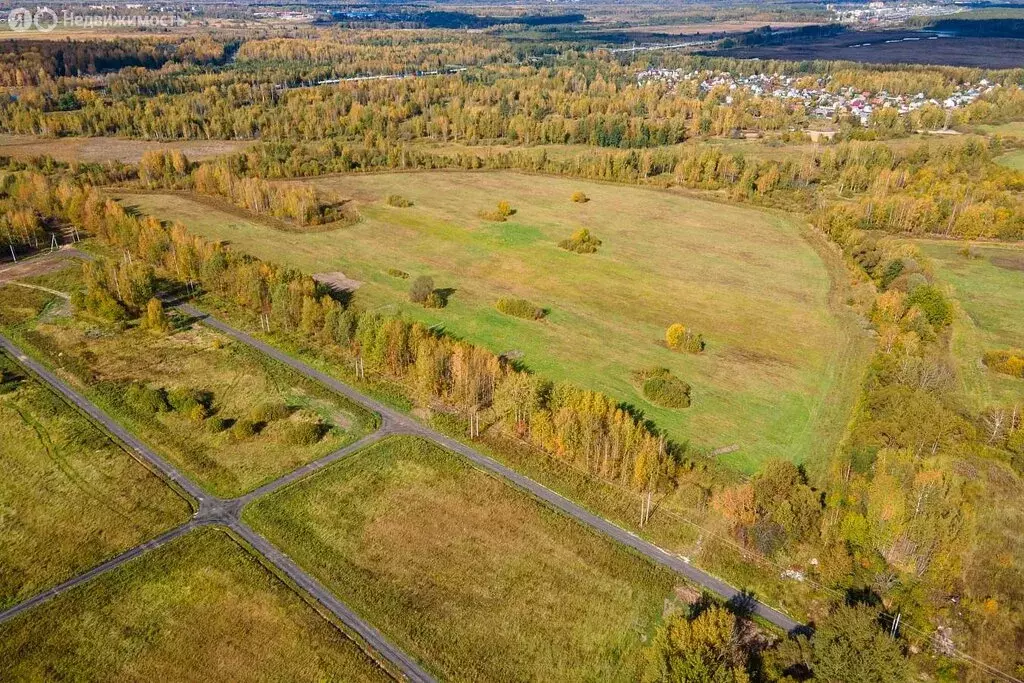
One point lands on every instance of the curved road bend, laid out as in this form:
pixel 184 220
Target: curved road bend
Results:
pixel 394 420
pixel 215 511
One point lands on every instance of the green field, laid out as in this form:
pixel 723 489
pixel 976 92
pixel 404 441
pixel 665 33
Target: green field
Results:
pixel 780 370
pixel 1014 160
pixel 990 291
pixel 477 580
pixel 201 608
pixel 69 497
pixel 105 363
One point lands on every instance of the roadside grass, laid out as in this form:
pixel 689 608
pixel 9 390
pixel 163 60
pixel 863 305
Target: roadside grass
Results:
pixel 201 607
pixel 70 498
pixel 777 358
pixel 476 579
pixel 105 363
pixel 990 292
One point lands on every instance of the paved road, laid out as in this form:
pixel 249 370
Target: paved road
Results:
pixel 213 510
pixel 394 420
pixel 112 563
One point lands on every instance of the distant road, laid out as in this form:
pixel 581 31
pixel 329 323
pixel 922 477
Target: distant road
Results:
pixel 393 419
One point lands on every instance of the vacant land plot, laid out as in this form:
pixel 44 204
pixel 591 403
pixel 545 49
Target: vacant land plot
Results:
pixel 990 290
pixel 1013 128
pixel 110 149
pixel 199 608
pixel 69 497
pixel 230 417
pixel 771 379
pixel 476 579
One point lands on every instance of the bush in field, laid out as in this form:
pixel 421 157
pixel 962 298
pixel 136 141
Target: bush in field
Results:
pixel 268 412
pixel 421 289
pixel 243 429
pixel 398 201
pixel 933 304
pixel 216 425
pixel 520 308
pixel 1009 361
pixel 500 214
pixel 305 432
pixel 194 403
pixel 146 400
pixel 580 198
pixel 663 388
pixel 435 300
pixel 400 274
pixel 679 338
pixel 155 319
pixel 581 241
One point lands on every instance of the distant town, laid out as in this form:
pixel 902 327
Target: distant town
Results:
pixel 820 101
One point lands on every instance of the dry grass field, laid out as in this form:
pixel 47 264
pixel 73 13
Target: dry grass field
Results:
pixel 780 369
pixel 239 381
pixel 110 149
pixel 478 581
pixel 201 608
pixel 70 498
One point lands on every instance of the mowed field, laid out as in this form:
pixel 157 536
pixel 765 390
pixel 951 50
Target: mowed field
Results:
pixel 990 291
pixel 238 384
pixel 70 498
pixel 470 576
pixel 201 608
pixel 779 371
pixel 1014 160
pixel 110 149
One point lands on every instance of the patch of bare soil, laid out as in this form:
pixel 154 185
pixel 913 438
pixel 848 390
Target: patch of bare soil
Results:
pixel 338 281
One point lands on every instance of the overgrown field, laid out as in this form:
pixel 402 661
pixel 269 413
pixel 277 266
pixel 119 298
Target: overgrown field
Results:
pixel 199 608
pixel 69 497
pixel 230 417
pixel 109 149
pixel 477 580
pixel 779 370
pixel 989 286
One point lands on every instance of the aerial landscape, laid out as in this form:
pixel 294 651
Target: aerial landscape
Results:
pixel 562 340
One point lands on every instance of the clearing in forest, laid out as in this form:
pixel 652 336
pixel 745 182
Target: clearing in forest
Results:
pixel 780 369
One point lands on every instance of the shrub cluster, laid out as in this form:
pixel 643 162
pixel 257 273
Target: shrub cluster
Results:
pixel 680 338
pixel 1009 361
pixel 581 241
pixel 395 272
pixel 500 213
pixel 398 201
pixel 663 388
pixel 580 198
pixel 520 308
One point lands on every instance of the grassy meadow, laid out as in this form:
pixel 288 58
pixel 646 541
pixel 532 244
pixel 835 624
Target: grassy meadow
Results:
pixel 779 371
pixel 990 292
pixel 25 147
pixel 472 577
pixel 199 608
pixel 237 381
pixel 70 498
